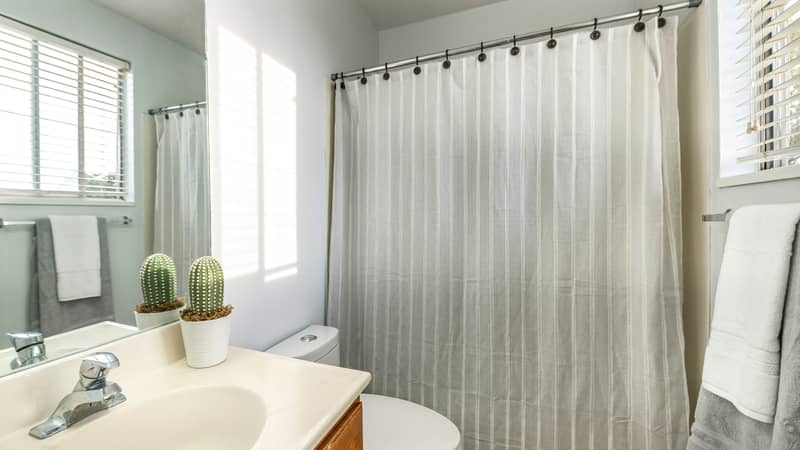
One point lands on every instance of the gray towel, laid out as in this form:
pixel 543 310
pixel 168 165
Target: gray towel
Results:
pixel 720 426
pixel 50 316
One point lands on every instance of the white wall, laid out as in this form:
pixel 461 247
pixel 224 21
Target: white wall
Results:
pixel 269 98
pixel 491 22
pixel 164 73
pixel 695 119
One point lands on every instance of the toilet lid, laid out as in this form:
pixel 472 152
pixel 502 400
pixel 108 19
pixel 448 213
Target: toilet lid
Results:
pixel 394 424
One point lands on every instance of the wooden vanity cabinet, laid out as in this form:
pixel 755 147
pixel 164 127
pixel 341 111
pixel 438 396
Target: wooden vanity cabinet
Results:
pixel 348 433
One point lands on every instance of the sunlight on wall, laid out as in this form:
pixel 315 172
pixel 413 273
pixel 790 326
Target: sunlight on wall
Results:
pixel 279 88
pixel 238 175
pixel 256 173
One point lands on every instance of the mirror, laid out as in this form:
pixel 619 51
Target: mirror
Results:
pixel 103 161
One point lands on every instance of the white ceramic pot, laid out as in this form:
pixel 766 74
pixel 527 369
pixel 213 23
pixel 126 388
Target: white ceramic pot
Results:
pixel 146 321
pixel 206 342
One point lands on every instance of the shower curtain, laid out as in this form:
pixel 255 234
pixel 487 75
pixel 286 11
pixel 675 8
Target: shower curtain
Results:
pixel 182 214
pixel 506 238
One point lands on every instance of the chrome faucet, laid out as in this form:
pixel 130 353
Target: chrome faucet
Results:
pixel 91 395
pixel 29 346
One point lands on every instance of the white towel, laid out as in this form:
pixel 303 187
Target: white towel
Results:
pixel 76 247
pixel 742 359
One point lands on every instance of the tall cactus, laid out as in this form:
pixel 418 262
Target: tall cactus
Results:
pixel 157 279
pixel 207 288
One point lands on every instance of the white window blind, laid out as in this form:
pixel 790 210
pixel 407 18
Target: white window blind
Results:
pixel 62 118
pixel 769 77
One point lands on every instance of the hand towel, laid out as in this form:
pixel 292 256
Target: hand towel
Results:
pixel 51 316
pixel 742 361
pixel 718 425
pixel 76 248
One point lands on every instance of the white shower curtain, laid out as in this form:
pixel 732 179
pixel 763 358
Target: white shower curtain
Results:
pixel 506 242
pixel 182 214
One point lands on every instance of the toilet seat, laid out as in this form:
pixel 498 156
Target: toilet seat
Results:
pixel 395 424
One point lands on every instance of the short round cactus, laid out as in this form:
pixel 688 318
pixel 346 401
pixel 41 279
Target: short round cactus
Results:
pixel 157 279
pixel 206 291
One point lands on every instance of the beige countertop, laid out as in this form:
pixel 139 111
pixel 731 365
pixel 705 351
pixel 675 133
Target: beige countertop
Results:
pixel 302 400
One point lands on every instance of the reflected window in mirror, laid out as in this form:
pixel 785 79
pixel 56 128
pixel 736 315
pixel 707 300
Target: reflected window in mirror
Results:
pixel 63 118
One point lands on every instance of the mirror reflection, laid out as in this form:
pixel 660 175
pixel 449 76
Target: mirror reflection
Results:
pixel 103 163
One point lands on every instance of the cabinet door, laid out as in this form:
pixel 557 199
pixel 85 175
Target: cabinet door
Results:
pixel 348 433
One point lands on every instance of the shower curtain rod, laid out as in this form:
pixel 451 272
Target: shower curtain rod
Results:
pixel 181 107
pixel 639 13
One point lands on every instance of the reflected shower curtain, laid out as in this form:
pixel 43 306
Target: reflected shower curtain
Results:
pixel 506 241
pixel 182 213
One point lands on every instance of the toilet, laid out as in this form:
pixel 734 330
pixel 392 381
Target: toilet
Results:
pixel 389 423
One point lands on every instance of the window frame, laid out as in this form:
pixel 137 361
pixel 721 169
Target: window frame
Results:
pixel 720 28
pixel 125 126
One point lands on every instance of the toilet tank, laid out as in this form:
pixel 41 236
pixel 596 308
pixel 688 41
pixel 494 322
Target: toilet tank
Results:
pixel 315 343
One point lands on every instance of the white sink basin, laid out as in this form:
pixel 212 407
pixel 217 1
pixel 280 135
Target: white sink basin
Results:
pixel 213 417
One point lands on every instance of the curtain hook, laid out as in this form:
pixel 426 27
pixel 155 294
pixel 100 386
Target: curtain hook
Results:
pixel 342 84
pixel 661 21
pixel 166 116
pixel 515 49
pixel 446 63
pixel 363 76
pixel 386 75
pixel 552 42
pixel 482 55
pixel 417 69
pixel 595 34
pixel 639 26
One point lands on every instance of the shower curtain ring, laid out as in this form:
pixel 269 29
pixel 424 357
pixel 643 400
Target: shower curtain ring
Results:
pixel 342 85
pixel 552 42
pixel 482 55
pixel 417 69
pixel 639 26
pixel 446 63
pixel 514 49
pixel 595 34
pixel 661 21
pixel 386 75
pixel 363 76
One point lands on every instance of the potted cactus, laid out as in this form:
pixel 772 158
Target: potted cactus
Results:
pixel 160 304
pixel 205 323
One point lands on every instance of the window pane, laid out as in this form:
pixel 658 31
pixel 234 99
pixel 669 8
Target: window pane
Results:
pixel 58 126
pixel 15 121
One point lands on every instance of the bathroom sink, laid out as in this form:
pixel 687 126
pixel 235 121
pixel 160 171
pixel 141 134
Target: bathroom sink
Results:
pixel 211 417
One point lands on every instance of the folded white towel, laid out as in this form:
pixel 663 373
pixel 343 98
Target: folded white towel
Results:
pixel 76 247
pixel 742 359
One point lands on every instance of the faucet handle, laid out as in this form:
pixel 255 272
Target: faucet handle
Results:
pixel 95 367
pixel 25 339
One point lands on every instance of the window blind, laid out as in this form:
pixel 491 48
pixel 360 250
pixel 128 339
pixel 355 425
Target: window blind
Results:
pixel 62 117
pixel 770 76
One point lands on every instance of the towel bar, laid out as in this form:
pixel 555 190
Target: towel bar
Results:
pixel 718 217
pixel 125 220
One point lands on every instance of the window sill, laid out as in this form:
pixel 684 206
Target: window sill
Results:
pixel 783 173
pixel 55 201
